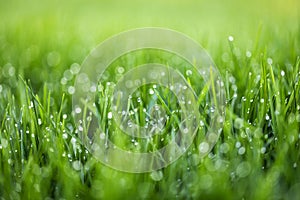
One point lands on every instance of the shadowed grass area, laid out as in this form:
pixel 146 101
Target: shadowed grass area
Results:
pixel 42 46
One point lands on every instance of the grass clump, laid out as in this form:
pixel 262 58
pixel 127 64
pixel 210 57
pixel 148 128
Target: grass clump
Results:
pixel 256 156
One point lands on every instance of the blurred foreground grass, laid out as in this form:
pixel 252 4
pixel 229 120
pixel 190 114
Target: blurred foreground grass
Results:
pixel 257 156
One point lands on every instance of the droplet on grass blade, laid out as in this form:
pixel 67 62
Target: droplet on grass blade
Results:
pixel 238 144
pixel 188 72
pixel 4 142
pixel 238 123
pixel 157 175
pixel 53 58
pixel 263 150
pixel 76 165
pixel 243 169
pixel 71 90
pixel 109 115
pixel 224 148
pixel 269 61
pixel 241 150
pixel 203 147
pixel 248 55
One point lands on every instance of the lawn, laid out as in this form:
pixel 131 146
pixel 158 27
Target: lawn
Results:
pixel 255 46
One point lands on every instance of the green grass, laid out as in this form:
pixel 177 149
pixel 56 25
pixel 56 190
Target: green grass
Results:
pixel 257 155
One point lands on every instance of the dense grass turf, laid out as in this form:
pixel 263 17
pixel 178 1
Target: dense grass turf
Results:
pixel 256 47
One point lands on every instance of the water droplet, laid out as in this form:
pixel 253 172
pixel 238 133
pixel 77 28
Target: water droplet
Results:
pixel 63 81
pixel 295 165
pixel 269 61
pixel 188 72
pixel 238 123
pixel 230 38
pixel 68 74
pixel 4 142
pixel 120 70
pixel 65 136
pixel 151 91
pixel 157 175
pixel 71 90
pixel 241 150
pixel 77 110
pixel 231 79
pixel 203 147
pixel 234 87
pixel 238 144
pixel 73 140
pixel 75 68
pixel 53 58
pixel 224 148
pixel 93 88
pixel 248 54
pixel 76 165
pixel 243 169
pixel 282 73
pixel 102 136
pixel 109 115
pixel 263 150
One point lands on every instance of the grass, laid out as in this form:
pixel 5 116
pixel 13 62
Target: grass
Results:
pixel 257 155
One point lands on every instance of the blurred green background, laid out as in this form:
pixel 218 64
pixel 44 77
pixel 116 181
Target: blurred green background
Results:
pixel 30 30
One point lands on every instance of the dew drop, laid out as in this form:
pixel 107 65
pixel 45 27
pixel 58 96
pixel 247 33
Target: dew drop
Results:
pixel 157 175
pixel 241 150
pixel 102 136
pixel 76 165
pixel 224 148
pixel 238 123
pixel 203 147
pixel 237 144
pixel 295 165
pixel 263 150
pixel 78 110
pixel 151 91
pixel 269 61
pixel 71 90
pixel 75 68
pixel 243 169
pixel 65 136
pixel 53 58
pixel 188 72
pixel 248 54
pixel 4 142
pixel 109 115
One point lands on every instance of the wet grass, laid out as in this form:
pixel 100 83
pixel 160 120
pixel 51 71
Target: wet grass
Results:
pixel 256 157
